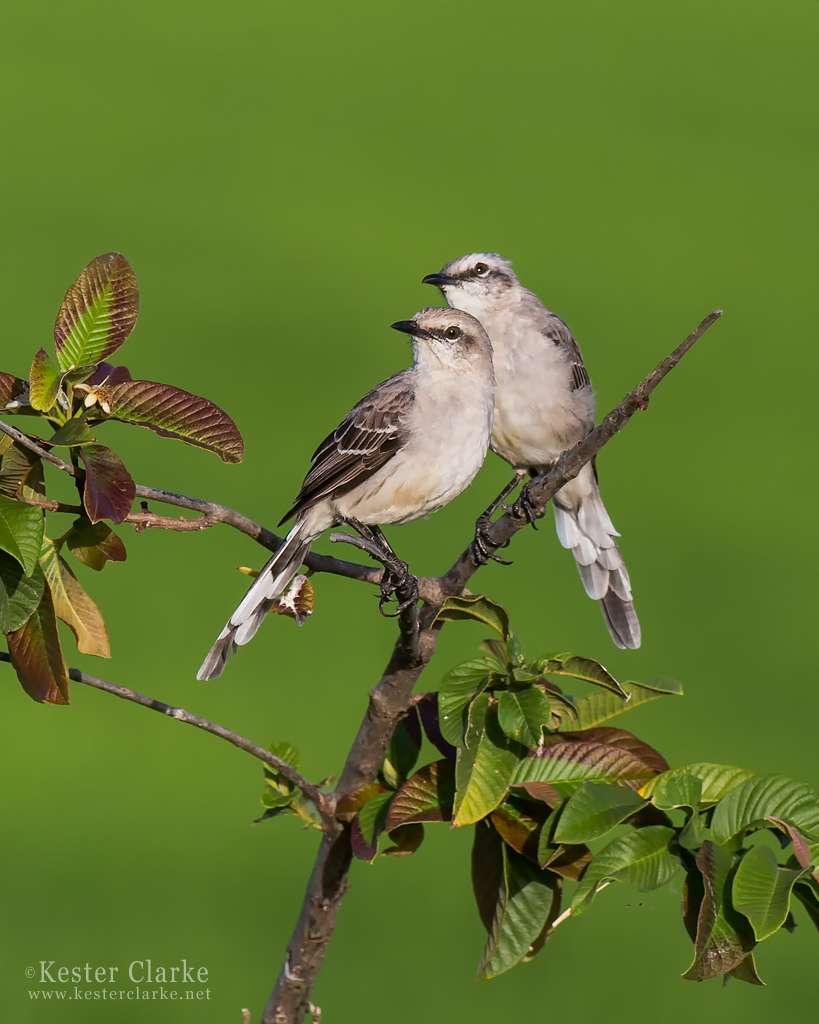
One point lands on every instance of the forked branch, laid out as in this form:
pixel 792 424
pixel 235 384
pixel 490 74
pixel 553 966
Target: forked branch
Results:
pixel 289 1002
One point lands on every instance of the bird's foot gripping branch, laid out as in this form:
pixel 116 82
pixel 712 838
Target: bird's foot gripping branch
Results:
pixel 561 799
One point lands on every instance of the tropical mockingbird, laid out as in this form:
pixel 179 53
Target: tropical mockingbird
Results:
pixel 544 405
pixel 407 449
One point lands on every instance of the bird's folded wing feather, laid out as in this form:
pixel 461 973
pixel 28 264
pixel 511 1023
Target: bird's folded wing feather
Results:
pixel 560 334
pixel 367 439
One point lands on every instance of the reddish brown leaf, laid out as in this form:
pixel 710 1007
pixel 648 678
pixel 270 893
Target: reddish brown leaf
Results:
pixel 349 805
pixel 37 657
pixel 425 796
pixel 801 850
pixel 542 791
pixel 428 711
pixel 109 489
pixel 569 861
pixel 172 412
pixel 407 839
pixel 625 741
pixel 94 544
pixel 105 373
pixel 98 312
pixel 564 758
pixel 519 823
pixel 12 389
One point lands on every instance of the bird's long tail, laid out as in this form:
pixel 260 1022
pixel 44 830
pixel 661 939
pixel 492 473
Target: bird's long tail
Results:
pixel 583 525
pixel 269 585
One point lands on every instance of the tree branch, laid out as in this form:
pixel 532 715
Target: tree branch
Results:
pixel 324 803
pixel 211 514
pixel 289 1002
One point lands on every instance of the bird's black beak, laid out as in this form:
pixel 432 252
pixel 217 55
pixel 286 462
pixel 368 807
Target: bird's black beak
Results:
pixel 439 280
pixel 411 327
pixel 407 326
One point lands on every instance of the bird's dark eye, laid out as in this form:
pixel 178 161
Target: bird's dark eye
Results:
pixel 481 269
pixel 452 333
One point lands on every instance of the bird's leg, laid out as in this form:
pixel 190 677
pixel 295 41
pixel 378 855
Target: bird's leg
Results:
pixel 523 507
pixel 397 578
pixel 483 547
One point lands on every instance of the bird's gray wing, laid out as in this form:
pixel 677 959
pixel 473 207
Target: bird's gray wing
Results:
pixel 364 441
pixel 558 331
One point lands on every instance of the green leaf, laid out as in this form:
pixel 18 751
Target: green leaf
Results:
pixel 717 781
pixel 678 789
pixel 21 473
pixel 593 810
pixel 98 312
pixel 479 608
pixel 458 687
pixel 723 938
pixel 487 871
pixel 427 795
pixel 809 900
pixel 72 605
pixel 524 714
pixel 640 859
pixel 571 760
pixel 72 435
pixel 171 412
pixel 528 903
pixel 403 750
pixel 349 805
pixel 109 490
pixel 484 767
pixel 19 594
pixel 94 544
pixel 581 668
pixel 280 791
pixel 762 891
pixel 683 790
pixel 498 653
pixel 21 532
pixel 766 796
pixel 596 708
pixel 368 826
pixel 45 381
pixel 37 657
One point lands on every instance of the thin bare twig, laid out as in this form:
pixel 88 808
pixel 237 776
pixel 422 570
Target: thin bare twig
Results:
pixel 26 442
pixel 324 803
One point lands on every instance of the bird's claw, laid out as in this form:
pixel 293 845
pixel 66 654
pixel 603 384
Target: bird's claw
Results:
pixel 482 546
pixel 523 509
pixel 398 581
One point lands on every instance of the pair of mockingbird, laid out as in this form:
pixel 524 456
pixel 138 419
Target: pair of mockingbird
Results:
pixel 496 368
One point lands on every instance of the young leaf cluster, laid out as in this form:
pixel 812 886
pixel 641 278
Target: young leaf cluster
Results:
pixel 542 778
pixel 74 392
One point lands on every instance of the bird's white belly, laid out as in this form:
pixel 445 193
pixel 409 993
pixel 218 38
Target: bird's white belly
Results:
pixel 440 460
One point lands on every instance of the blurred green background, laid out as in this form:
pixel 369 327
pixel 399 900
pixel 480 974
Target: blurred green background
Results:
pixel 281 176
